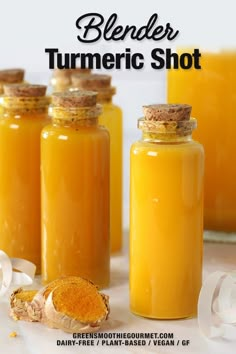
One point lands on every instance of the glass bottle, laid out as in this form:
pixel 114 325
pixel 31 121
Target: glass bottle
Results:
pixel 212 93
pixel 111 118
pixel 75 190
pixel 25 113
pixel 166 211
pixel 61 78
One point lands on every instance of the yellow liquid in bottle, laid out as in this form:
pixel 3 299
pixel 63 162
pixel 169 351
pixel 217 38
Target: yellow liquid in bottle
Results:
pixel 212 93
pixel 20 231
pixel 111 118
pixel 166 206
pixel 75 203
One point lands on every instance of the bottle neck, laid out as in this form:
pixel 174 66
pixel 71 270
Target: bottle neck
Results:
pixel 75 124
pixel 23 105
pixel 104 100
pixel 105 96
pixel 75 117
pixel 168 132
pixel 166 138
pixel 60 84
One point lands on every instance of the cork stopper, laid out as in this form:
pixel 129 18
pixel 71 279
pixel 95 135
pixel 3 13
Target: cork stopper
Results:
pixel 12 75
pixel 167 112
pixel 59 73
pixel 74 99
pixel 80 71
pixel 91 82
pixel 24 90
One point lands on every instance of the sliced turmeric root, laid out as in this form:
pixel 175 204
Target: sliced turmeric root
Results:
pixel 19 302
pixel 77 307
pixel 36 308
pixel 72 304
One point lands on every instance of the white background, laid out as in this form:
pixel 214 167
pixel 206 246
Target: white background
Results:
pixel 28 27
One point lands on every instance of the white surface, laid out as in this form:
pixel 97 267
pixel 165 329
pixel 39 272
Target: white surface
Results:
pixel 34 338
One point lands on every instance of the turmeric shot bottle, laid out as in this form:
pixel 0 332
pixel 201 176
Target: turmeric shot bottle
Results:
pixel 61 78
pixel 166 215
pixel 25 113
pixel 75 190
pixel 111 118
pixel 212 93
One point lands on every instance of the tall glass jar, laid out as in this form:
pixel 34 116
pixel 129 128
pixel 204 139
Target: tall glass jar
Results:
pixel 75 190
pixel 212 93
pixel 25 114
pixel 166 212
pixel 61 78
pixel 111 118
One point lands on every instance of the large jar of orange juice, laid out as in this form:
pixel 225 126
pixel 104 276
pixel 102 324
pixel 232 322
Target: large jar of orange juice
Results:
pixel 75 190
pixel 25 114
pixel 166 212
pixel 111 118
pixel 212 93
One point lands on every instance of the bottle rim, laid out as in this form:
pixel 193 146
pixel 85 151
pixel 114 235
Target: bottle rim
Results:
pixel 182 127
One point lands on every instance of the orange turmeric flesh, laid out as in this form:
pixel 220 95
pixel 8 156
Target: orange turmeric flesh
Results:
pixel 63 280
pixel 83 302
pixel 26 295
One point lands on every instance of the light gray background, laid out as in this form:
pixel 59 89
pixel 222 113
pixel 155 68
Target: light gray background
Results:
pixel 28 27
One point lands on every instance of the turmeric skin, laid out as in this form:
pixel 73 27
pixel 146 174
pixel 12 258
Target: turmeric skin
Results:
pixel 19 301
pixel 72 304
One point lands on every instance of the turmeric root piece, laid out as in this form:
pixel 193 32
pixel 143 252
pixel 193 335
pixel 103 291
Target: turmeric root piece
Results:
pixel 13 334
pixel 72 304
pixel 19 302
pixel 36 307
pixel 77 307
